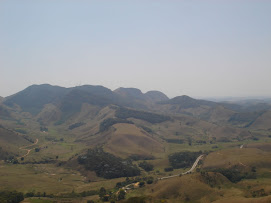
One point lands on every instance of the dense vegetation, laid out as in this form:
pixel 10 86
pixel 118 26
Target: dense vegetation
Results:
pixel 237 173
pixel 107 165
pixel 125 113
pixel 137 157
pixel 146 166
pixel 11 197
pixel 183 159
pixel 176 141
pixel 76 125
pixel 22 131
pixel 107 123
pixel 43 129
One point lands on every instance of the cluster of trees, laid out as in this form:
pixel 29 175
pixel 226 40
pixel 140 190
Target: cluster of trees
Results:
pixel 201 142
pixel 183 159
pixel 176 141
pixel 7 157
pixel 137 157
pixel 237 173
pixel 146 166
pixel 106 196
pixel 153 118
pixel 259 193
pixel 107 123
pixel 16 197
pixel 43 129
pixel 141 180
pixel 76 125
pixel 168 169
pixel 107 165
pixel 11 196
pixel 53 139
pixel 72 194
pixel 212 179
pixel 148 130
pixel 37 149
pixel 19 130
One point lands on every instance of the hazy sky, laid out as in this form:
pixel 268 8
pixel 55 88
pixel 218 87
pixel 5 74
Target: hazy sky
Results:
pixel 198 48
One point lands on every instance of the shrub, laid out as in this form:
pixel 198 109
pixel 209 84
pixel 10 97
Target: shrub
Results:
pixel 76 125
pixel 105 124
pixel 168 169
pixel 146 166
pixel 13 197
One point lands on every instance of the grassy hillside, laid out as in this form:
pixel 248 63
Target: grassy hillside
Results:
pixel 127 140
pixel 128 126
pixel 262 122
pixel 236 156
pixel 10 142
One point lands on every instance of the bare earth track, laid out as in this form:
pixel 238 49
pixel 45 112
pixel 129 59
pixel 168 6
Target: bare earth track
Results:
pixel 28 150
pixel 127 187
pixel 189 171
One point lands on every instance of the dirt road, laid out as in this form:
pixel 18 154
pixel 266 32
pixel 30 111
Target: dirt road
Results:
pixel 189 171
pixel 28 150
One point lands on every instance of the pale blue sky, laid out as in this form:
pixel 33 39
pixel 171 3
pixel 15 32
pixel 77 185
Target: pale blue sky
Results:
pixel 198 48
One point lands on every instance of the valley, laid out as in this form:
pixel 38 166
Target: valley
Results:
pixel 71 144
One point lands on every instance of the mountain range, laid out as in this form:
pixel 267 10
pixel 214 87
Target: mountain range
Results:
pixel 61 103
pixel 103 134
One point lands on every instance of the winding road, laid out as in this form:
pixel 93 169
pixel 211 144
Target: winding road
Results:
pixel 28 150
pixel 127 187
pixel 189 171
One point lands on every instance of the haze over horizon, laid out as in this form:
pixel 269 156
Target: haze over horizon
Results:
pixel 195 48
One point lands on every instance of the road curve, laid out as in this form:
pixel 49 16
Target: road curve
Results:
pixel 189 171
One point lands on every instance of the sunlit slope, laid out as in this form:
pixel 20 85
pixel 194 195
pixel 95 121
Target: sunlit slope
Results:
pixel 245 157
pixel 189 188
pixel 128 139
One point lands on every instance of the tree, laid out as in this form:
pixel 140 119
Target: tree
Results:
pixel 146 166
pixel 121 194
pixel 141 184
pixel 102 192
